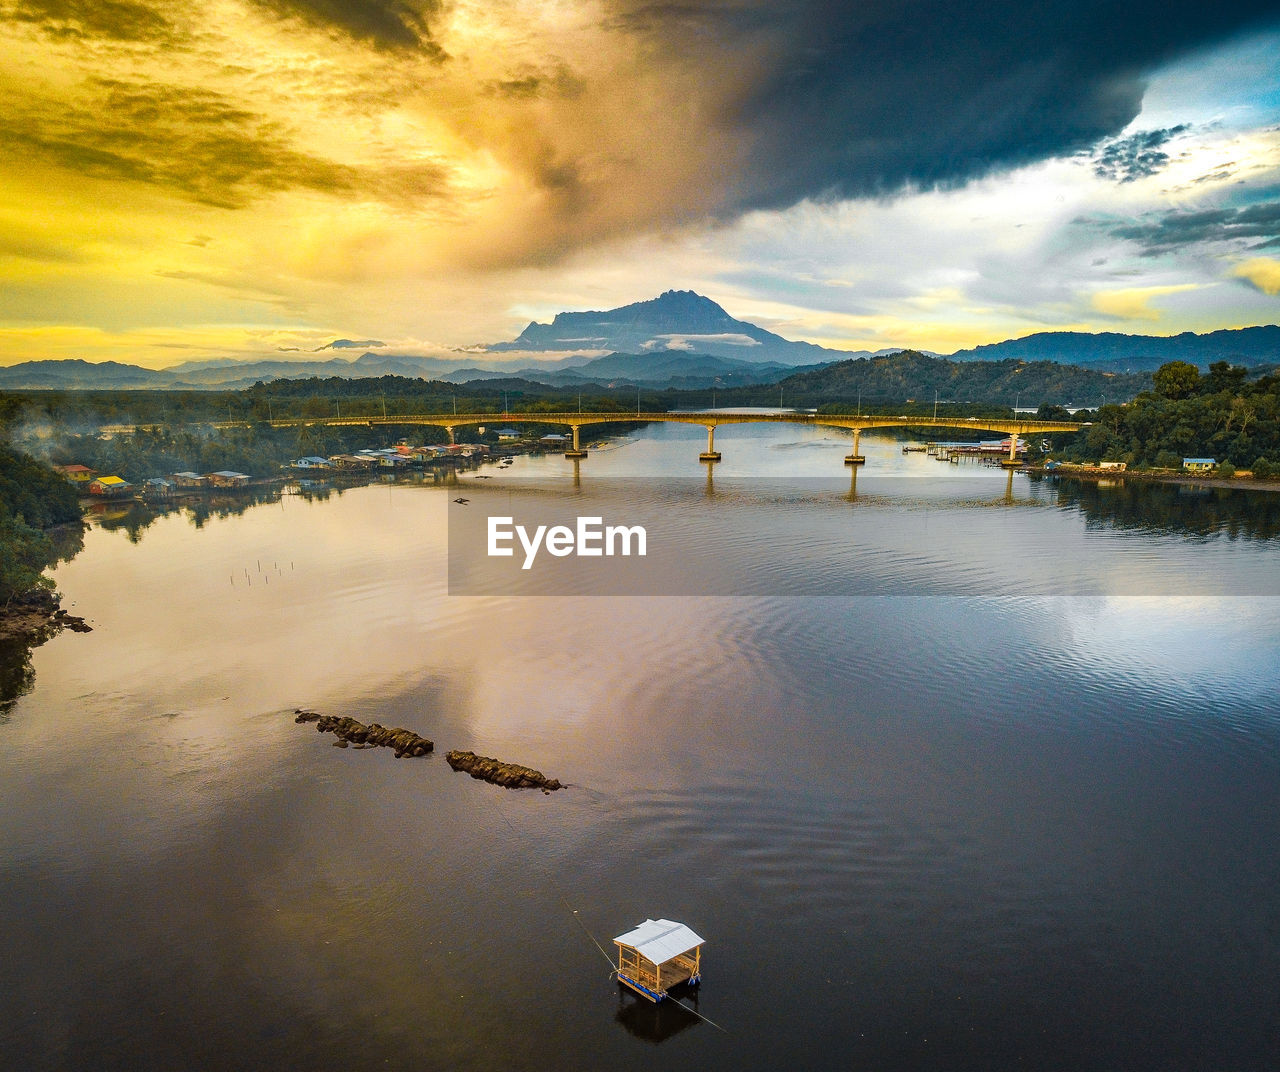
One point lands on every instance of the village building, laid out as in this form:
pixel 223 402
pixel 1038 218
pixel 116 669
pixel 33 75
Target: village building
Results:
pixel 312 461
pixel 77 474
pixel 110 487
pixel 469 450
pixel 1198 465
pixel 353 462
pixel 226 478
pixel 157 487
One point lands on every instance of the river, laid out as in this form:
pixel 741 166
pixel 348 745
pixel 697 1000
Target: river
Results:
pixel 951 771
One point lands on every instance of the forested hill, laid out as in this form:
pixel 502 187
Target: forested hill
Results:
pixel 1255 347
pixel 910 375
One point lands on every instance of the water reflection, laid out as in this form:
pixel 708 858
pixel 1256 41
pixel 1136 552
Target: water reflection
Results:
pixel 17 676
pixel 655 1022
pixel 908 809
pixel 1133 505
pixel 1178 509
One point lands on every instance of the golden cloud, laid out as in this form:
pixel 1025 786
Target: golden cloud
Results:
pixel 1261 272
pixel 1133 303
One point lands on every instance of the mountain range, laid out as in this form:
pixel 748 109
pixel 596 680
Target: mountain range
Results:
pixel 679 339
pixel 1115 352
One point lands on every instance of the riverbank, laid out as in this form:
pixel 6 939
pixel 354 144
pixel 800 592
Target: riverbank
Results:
pixel 36 617
pixel 1242 483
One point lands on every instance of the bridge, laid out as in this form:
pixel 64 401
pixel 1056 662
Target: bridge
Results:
pixel 711 420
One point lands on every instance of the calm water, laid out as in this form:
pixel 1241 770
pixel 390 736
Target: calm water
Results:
pixel 978 830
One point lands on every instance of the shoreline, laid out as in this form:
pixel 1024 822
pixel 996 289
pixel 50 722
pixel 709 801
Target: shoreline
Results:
pixel 36 617
pixel 1237 482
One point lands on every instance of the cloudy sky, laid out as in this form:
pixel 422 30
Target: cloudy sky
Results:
pixel 182 180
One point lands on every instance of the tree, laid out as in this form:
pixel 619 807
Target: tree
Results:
pixel 1176 379
pixel 1263 469
pixel 1224 376
pixel 24 553
pixel 1048 412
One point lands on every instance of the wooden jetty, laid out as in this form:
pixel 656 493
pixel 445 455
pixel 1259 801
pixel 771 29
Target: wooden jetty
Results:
pixel 657 955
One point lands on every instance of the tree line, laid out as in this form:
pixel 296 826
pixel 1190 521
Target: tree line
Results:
pixel 1222 415
pixel 33 500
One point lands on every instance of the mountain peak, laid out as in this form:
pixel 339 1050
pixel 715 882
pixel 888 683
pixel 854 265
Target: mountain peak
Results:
pixel 676 320
pixel 685 299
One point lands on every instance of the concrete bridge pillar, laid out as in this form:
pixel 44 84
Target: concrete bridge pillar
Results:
pixel 452 437
pixel 576 451
pixel 1011 462
pixel 856 458
pixel 710 454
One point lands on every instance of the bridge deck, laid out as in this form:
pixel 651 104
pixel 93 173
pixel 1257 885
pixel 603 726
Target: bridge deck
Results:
pixel 1013 426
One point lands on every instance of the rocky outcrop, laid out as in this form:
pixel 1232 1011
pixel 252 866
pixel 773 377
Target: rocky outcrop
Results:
pixel 71 621
pixel 35 617
pixel 348 730
pixel 511 775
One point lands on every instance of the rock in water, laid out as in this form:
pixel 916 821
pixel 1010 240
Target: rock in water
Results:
pixel 511 775
pixel 405 742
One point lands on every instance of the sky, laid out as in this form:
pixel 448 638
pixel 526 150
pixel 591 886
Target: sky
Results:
pixel 184 180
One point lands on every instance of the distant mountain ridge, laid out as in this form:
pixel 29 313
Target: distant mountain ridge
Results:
pixel 678 339
pixel 1117 352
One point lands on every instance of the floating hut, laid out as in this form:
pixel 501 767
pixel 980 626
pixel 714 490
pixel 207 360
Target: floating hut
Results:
pixel 657 955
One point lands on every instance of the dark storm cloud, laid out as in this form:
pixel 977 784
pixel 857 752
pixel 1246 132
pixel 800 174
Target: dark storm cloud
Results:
pixel 116 20
pixel 855 99
pixel 1135 157
pixel 1171 230
pixel 385 23
pixel 192 143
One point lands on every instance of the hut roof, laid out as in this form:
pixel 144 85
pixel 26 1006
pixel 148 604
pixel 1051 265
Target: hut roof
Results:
pixel 659 940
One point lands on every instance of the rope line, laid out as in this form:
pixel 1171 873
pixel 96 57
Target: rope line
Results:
pixel 563 898
pixel 689 1008
pixel 585 930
